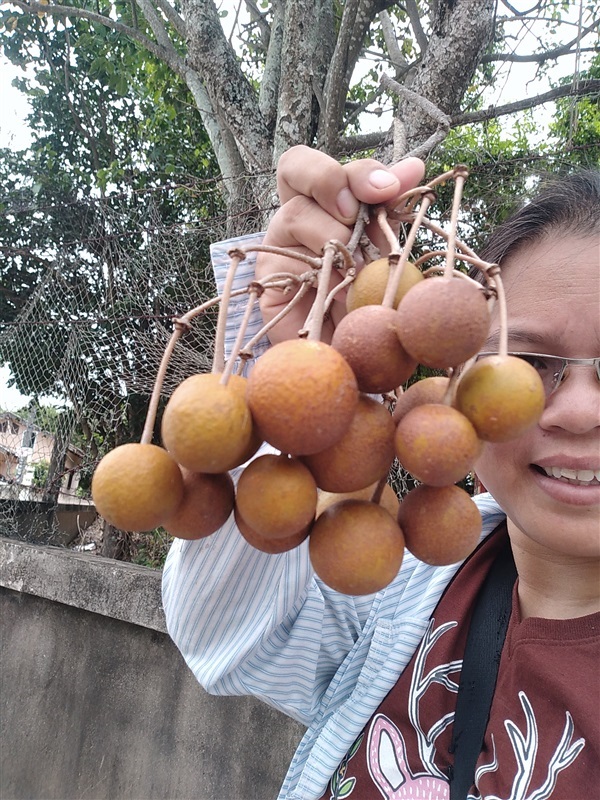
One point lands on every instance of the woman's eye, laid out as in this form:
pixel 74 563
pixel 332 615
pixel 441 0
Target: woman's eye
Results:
pixel 537 362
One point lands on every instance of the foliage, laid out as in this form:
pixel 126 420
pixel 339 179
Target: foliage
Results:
pixel 576 124
pixel 40 474
pixel 99 218
pixel 105 220
pixel 46 417
pixel 148 549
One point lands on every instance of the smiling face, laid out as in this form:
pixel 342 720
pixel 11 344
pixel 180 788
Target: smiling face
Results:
pixel 543 480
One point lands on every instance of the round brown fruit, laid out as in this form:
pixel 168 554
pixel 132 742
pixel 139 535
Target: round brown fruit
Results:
pixel 206 505
pixel 436 444
pixel 368 340
pixel 302 395
pixel 276 496
pixel 356 547
pixel 362 456
pixel 389 499
pixel 267 545
pixel 240 384
pixel 136 487
pixel 502 396
pixel 427 390
pixel 443 321
pixel 368 288
pixel 441 524
pixel 207 426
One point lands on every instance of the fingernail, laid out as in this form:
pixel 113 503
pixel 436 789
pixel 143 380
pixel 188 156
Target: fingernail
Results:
pixel 381 179
pixel 347 204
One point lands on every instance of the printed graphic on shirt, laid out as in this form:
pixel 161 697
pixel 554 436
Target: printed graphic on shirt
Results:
pixel 397 776
pixel 389 768
pixel 340 786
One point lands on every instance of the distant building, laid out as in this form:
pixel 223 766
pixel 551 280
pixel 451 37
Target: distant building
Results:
pixel 26 452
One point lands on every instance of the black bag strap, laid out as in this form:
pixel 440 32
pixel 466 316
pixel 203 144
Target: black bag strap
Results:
pixel 485 640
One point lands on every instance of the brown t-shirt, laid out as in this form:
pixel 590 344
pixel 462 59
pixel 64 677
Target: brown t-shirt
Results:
pixel 543 735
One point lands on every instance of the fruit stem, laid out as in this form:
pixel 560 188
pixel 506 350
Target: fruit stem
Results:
pixel 503 343
pixel 392 240
pixel 461 174
pixel 180 324
pixel 313 261
pixel 254 291
pixel 378 491
pixel 236 255
pixel 314 321
pixel 362 219
pixel 476 262
pixel 395 274
pixel 435 228
pixel 305 285
pixel 350 276
pixel 147 433
pixel 450 393
pixel 445 176
pixel 218 364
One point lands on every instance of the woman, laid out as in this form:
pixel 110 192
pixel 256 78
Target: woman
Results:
pixel 375 678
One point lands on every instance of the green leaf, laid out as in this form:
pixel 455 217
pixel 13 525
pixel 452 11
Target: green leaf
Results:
pixel 346 788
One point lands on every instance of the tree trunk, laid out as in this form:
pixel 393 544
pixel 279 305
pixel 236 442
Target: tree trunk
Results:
pixel 461 31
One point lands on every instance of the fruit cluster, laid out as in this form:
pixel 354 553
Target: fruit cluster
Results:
pixel 313 403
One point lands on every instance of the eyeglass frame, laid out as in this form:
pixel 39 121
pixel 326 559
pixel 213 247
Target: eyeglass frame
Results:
pixel 565 362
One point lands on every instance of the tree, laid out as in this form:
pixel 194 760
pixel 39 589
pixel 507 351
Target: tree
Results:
pixel 105 220
pixel 99 227
pixel 290 79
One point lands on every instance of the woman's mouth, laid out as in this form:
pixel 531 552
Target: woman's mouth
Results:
pixel 576 477
pixel 575 487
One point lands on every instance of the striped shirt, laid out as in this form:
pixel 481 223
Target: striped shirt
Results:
pixel 248 623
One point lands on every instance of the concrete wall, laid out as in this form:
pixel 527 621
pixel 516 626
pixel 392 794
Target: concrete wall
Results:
pixel 96 702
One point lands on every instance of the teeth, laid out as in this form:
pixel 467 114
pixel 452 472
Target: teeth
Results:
pixel 575 475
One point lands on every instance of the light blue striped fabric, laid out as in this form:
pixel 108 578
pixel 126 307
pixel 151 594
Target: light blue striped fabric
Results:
pixel 248 623
pixel 219 254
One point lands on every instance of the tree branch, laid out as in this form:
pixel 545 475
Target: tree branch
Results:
pixel 170 57
pixel 570 90
pixel 260 19
pixel 415 21
pixel 417 99
pixel 356 18
pixel 563 50
pixel 174 18
pixel 269 86
pixel 372 141
pixel 521 13
pixel 156 24
pixel 231 95
pixel 391 42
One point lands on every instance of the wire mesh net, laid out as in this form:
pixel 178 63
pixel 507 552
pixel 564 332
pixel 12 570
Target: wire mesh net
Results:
pixel 85 346
pixel 84 352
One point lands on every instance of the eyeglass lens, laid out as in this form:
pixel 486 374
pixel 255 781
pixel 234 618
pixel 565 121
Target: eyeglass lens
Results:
pixel 551 369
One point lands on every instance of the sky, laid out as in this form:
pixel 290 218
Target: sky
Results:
pixel 14 105
pixel 516 82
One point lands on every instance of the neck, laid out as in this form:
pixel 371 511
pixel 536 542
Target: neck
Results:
pixel 554 585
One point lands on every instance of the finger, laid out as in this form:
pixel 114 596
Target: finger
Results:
pixel 311 173
pixel 337 188
pixel 301 222
pixel 375 184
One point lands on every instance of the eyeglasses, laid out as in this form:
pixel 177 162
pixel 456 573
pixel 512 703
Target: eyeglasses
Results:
pixel 552 369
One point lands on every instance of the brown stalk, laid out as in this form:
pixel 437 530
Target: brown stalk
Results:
pixel 461 173
pixel 218 364
pixel 314 321
pixel 396 271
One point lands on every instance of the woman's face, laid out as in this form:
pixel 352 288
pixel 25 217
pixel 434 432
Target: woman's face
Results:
pixel 542 480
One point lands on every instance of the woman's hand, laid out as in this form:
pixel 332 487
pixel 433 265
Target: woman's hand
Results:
pixel 319 201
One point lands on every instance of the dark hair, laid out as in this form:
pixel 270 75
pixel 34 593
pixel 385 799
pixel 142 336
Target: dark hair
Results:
pixel 570 204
